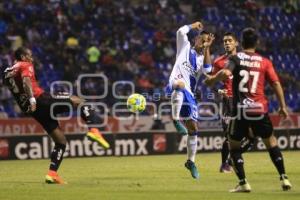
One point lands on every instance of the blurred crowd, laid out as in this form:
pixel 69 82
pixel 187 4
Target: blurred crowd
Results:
pixel 132 40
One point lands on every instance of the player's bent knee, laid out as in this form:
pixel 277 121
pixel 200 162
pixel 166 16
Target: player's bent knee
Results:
pixel 191 126
pixel 178 85
pixel 270 142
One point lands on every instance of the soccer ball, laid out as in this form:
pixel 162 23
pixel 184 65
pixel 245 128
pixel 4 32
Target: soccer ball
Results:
pixel 136 103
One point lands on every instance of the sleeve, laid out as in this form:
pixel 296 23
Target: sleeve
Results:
pixel 232 63
pixel 271 75
pixel 182 38
pixel 207 68
pixel 26 70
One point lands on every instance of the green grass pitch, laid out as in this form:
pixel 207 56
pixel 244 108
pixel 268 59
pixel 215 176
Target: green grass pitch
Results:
pixel 146 177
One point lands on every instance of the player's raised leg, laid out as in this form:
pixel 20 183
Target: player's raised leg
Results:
pixel 176 102
pixel 89 115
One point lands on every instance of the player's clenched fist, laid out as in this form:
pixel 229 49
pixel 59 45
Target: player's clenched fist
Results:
pixel 197 25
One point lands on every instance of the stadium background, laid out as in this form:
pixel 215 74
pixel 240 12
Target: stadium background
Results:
pixel 134 40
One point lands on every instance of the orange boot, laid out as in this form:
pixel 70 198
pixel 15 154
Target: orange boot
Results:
pixel 53 178
pixel 95 135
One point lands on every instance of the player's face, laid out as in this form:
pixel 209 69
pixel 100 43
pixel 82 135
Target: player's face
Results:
pixel 28 56
pixel 230 44
pixel 199 41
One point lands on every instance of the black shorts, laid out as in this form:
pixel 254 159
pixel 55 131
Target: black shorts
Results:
pixel 239 128
pixel 227 111
pixel 43 109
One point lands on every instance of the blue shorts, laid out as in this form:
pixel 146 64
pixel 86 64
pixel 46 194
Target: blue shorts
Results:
pixel 189 109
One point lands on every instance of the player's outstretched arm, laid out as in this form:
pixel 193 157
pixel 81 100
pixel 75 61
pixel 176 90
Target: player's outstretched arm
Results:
pixel 28 90
pixel 222 75
pixel 207 66
pixel 280 96
pixel 181 35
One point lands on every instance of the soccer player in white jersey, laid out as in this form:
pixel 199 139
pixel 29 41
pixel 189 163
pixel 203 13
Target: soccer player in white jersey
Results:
pixel 191 62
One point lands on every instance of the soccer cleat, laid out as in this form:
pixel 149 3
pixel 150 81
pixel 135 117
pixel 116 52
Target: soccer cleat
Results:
pixel 53 178
pixel 190 165
pixel 95 135
pixel 241 188
pixel 225 168
pixel 180 127
pixel 285 183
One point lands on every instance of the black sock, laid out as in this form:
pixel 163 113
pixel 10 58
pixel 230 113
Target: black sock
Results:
pixel 89 115
pixel 225 151
pixel 57 156
pixel 247 145
pixel 238 163
pixel 277 159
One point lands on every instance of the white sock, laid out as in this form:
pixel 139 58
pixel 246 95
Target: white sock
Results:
pixel 176 101
pixel 191 147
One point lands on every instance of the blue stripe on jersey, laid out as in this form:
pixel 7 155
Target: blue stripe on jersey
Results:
pixel 193 62
pixel 193 59
pixel 193 83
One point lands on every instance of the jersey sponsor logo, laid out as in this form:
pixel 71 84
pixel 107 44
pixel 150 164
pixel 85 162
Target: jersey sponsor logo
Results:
pixel 244 56
pixel 188 67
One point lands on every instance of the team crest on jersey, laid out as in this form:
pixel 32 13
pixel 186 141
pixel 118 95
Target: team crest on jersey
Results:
pixel 250 103
pixel 226 62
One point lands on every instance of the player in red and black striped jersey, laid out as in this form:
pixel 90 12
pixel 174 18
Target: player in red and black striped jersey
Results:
pixel 230 44
pixel 32 99
pixel 250 71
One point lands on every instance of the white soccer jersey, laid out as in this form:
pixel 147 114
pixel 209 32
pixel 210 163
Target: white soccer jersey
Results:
pixel 188 66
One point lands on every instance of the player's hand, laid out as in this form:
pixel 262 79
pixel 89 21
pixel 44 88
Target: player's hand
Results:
pixel 223 93
pixel 32 107
pixel 283 112
pixel 209 41
pixel 197 26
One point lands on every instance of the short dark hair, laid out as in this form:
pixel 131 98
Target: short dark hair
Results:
pixel 230 34
pixel 249 38
pixel 204 33
pixel 21 51
pixel 196 34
